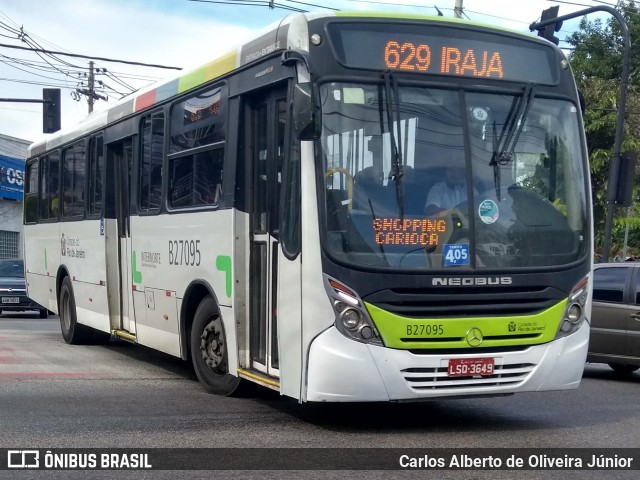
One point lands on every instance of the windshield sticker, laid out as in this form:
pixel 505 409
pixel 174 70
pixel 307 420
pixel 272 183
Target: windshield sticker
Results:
pixel 456 254
pixel 480 114
pixel 488 211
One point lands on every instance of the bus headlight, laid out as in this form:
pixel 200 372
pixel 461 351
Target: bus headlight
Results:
pixel 352 318
pixel 574 312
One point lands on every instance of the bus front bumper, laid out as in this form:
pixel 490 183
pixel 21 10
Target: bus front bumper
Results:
pixel 342 370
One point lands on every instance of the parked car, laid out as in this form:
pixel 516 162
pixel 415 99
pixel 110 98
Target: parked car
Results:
pixel 615 319
pixel 13 289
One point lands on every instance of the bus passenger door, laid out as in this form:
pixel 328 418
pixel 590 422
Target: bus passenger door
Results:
pixel 119 261
pixel 267 132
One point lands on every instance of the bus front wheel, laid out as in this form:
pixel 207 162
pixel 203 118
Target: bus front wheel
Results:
pixel 209 350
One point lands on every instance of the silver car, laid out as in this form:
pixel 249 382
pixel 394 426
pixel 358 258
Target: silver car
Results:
pixel 13 289
pixel 615 319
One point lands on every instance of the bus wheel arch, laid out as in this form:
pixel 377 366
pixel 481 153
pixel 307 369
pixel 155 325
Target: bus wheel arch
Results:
pixel 208 343
pixel 73 332
pixel 194 294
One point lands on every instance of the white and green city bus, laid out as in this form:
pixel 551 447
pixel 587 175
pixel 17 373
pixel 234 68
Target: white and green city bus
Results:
pixel 265 215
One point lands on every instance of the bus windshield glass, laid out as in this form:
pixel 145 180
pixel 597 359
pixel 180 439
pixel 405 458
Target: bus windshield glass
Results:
pixel 433 178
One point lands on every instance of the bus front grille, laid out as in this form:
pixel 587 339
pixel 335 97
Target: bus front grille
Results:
pixel 466 301
pixel 437 379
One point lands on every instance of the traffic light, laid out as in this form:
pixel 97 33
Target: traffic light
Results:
pixel 50 110
pixel 626 179
pixel 548 31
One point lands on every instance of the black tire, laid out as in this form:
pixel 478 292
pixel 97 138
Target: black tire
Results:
pixel 623 368
pixel 209 350
pixel 72 332
pixel 43 313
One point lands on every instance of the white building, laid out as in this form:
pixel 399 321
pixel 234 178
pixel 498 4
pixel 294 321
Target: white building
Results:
pixel 13 152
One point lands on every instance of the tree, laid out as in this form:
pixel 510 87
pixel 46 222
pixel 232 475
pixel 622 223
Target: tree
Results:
pixel 596 61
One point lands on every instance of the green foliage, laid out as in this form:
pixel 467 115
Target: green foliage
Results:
pixel 596 61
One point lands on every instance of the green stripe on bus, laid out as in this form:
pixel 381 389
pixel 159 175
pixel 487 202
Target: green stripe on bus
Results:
pixel 223 264
pixel 443 333
pixel 211 70
pixel 136 275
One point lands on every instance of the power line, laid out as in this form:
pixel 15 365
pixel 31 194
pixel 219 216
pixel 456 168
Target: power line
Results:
pixel 253 3
pixel 313 5
pixel 30 73
pixel 413 5
pixel 50 63
pixel 43 66
pixel 584 5
pixel 44 84
pixel 76 55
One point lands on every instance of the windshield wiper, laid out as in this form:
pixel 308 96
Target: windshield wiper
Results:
pixel 373 215
pixel 494 162
pixel 391 87
pixel 506 154
pixel 504 148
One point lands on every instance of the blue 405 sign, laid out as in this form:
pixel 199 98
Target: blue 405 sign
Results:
pixel 456 254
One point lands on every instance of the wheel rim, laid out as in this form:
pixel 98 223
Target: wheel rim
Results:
pixel 213 347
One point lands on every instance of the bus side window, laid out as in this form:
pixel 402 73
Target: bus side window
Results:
pixel 96 175
pixel 149 195
pixel 195 179
pixel 31 192
pixel 49 175
pixel 73 177
pixel 196 149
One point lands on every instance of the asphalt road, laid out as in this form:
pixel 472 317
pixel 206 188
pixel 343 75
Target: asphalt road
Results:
pixel 53 395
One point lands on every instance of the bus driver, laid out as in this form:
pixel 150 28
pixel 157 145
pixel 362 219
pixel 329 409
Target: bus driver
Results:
pixel 449 193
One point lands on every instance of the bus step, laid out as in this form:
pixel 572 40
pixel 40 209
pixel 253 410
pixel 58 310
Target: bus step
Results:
pixel 124 335
pixel 261 378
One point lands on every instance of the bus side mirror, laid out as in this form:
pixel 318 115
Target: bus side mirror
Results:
pixel 306 118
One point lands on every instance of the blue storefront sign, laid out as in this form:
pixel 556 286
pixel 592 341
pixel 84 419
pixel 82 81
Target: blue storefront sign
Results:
pixel 11 178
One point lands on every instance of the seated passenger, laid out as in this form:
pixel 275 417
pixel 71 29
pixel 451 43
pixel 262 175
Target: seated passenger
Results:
pixel 367 186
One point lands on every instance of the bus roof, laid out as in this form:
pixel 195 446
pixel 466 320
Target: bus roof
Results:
pixel 289 33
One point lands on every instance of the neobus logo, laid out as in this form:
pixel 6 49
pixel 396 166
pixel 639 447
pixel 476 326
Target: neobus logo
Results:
pixel 470 281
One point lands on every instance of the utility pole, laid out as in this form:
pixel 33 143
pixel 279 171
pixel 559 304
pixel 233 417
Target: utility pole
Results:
pixel 90 98
pixel 90 91
pixel 457 10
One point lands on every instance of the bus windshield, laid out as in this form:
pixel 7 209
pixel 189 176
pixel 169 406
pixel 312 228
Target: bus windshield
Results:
pixel 435 178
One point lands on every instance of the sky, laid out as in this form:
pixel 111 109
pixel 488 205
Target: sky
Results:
pixel 172 33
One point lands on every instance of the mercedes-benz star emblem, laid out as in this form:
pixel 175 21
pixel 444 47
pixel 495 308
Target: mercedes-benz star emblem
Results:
pixel 474 337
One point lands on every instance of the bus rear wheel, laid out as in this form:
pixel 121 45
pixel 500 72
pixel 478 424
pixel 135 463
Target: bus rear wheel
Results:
pixel 209 350
pixel 72 332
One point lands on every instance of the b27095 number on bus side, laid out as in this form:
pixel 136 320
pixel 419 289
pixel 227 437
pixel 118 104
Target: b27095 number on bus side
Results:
pixel 427 329
pixel 184 252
